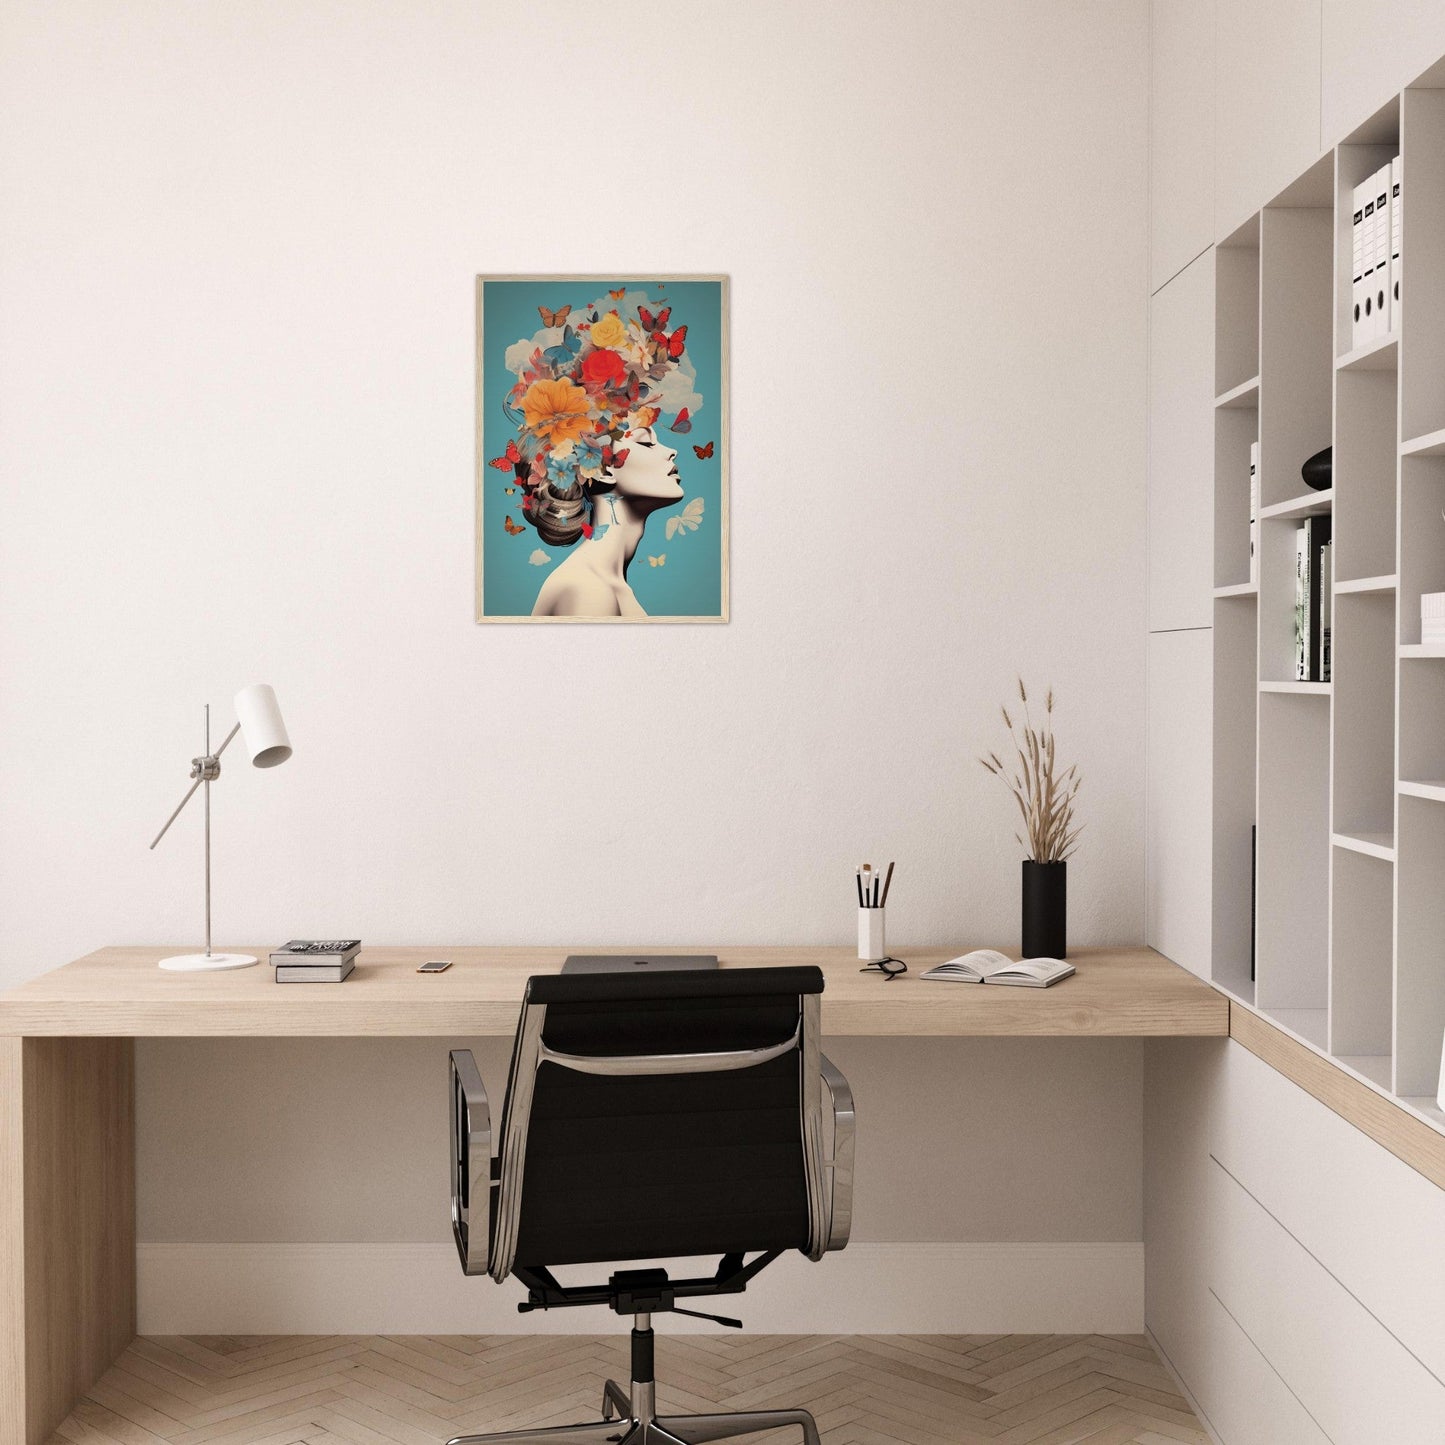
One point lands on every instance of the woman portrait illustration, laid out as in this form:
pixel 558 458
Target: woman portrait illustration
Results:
pixel 601 449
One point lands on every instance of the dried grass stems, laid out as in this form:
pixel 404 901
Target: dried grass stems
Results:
pixel 1044 795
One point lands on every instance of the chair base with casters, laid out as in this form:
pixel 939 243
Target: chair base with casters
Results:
pixel 629 1417
pixel 716 1084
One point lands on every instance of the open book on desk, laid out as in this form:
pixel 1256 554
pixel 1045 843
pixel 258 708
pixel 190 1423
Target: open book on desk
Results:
pixel 987 965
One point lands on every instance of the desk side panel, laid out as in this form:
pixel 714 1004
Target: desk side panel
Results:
pixel 12 1246
pixel 77 1160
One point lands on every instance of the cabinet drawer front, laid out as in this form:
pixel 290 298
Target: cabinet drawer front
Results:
pixel 1246 1402
pixel 1367 1217
pixel 1358 1382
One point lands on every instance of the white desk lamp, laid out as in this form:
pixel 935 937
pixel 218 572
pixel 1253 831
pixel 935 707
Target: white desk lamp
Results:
pixel 258 720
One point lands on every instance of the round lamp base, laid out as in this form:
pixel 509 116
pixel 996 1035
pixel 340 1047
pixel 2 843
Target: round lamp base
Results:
pixel 206 962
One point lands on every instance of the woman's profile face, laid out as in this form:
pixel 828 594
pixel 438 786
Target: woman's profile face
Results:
pixel 650 469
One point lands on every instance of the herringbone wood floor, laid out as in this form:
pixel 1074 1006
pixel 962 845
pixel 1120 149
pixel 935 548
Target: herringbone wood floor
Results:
pixel 419 1390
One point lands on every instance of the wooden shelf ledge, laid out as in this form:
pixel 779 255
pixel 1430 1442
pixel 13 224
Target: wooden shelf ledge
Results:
pixel 1393 1123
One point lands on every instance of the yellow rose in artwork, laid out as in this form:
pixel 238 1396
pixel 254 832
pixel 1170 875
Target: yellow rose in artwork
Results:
pixel 609 331
pixel 556 410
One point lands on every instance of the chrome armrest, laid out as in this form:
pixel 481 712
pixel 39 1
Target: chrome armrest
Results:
pixel 471 1163
pixel 840 1166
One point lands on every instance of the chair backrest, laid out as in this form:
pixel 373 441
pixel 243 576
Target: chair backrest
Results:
pixel 669 1114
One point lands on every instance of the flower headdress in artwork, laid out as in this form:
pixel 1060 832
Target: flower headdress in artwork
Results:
pixel 584 380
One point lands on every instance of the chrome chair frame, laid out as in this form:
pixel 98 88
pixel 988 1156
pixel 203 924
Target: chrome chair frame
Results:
pixel 486 1211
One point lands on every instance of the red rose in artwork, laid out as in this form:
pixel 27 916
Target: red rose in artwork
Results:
pixel 602 368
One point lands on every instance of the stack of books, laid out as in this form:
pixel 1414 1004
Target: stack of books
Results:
pixel 315 960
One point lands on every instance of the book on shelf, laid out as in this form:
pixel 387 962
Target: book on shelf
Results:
pixel 314 972
pixel 1310 610
pixel 1326 606
pixel 1254 513
pixel 1301 605
pixel 988 965
pixel 316 952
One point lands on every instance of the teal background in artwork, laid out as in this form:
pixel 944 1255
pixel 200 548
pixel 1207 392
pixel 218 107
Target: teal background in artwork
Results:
pixel 690 584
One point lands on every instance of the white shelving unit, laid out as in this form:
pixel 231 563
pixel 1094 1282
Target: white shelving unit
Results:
pixel 1341 783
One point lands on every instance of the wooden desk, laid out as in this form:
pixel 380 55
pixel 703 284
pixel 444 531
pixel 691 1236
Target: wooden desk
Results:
pixel 67 1162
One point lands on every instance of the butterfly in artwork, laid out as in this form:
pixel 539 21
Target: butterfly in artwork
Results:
pixel 565 350
pixel 651 322
pixel 675 343
pixel 514 529
pixel 617 295
pixel 613 459
pixel 703 453
pixel 511 491
pixel 508 460
pixel 687 520
pixel 682 422
pixel 647 415
pixel 592 317
pixel 554 318
pixel 659 561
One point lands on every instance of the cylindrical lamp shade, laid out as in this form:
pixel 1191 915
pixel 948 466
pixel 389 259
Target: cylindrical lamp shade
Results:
pixel 262 730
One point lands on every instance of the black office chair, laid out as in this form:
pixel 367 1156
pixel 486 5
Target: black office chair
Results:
pixel 651 1117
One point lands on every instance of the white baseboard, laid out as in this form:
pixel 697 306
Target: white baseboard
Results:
pixel 351 1289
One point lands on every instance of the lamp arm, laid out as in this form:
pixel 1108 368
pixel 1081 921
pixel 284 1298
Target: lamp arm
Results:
pixel 199 772
pixel 235 728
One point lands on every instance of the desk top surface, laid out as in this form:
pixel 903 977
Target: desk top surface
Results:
pixel 1117 992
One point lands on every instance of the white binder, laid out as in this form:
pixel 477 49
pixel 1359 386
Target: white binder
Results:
pixel 1396 224
pixel 1381 292
pixel 1357 266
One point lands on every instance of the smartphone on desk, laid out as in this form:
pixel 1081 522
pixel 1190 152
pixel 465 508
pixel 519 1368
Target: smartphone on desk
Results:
pixel 435 965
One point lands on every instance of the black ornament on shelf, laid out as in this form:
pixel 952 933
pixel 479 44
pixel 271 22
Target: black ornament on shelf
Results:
pixel 1319 471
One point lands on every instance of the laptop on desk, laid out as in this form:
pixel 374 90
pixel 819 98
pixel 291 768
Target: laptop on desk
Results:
pixel 637 962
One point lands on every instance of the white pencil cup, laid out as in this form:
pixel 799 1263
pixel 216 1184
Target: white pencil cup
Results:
pixel 871 945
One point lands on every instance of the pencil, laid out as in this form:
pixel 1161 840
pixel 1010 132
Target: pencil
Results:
pixel 887 884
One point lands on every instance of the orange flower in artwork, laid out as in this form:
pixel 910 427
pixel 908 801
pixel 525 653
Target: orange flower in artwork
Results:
pixel 556 410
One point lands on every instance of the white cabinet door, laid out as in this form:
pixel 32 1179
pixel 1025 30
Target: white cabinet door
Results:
pixel 1370 49
pixel 1181 450
pixel 1266 102
pixel 1181 135
pixel 1178 814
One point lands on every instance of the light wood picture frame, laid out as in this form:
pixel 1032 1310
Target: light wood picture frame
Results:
pixel 602 448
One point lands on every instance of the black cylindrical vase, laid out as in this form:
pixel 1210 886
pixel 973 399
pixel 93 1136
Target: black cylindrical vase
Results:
pixel 1046 909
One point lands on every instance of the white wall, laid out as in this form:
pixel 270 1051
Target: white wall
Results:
pixel 236 386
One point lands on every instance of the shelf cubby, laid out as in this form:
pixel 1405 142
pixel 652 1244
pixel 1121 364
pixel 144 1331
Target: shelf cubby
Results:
pixel 1296 330
pixel 1422 724
pixel 1292 944
pixel 1420 961
pixel 1422 538
pixel 1373 145
pixel 1236 301
pixel 1363 686
pixel 1362 956
pixel 1235 705
pixel 1422 250
pixel 1235 430
pixel 1365 461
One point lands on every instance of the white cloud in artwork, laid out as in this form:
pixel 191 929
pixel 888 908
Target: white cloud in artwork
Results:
pixel 678 389
pixel 539 558
pixel 519 353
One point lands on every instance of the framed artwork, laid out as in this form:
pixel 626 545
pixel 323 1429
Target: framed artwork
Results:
pixel 602 449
